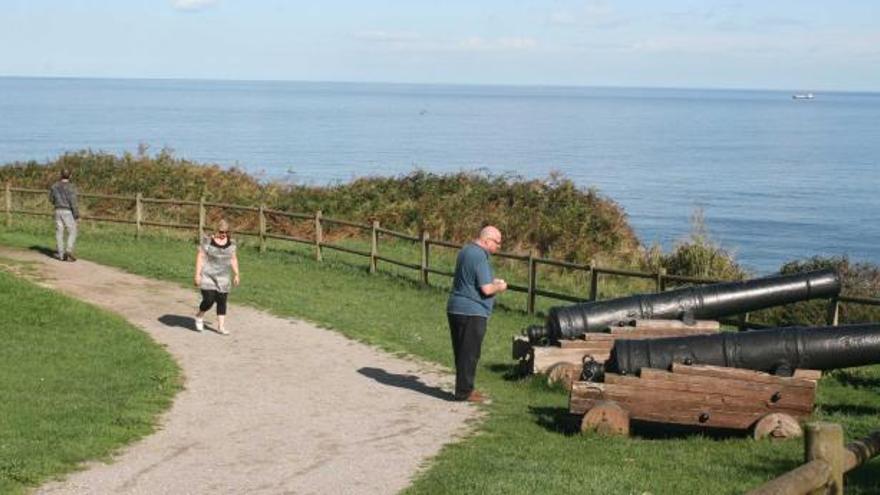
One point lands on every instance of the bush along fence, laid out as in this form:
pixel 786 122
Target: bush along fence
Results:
pixel 826 461
pixel 275 224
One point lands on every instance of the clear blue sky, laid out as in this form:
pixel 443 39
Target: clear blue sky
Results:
pixel 779 44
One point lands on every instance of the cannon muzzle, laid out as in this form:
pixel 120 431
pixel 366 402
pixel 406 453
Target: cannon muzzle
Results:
pixel 705 302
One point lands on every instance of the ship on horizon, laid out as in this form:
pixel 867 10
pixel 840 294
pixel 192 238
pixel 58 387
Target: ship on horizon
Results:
pixel 802 96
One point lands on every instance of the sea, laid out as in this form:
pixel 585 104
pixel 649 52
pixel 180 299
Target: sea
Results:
pixel 774 178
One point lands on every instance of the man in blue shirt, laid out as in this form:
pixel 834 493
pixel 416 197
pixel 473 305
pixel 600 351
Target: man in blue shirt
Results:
pixel 469 307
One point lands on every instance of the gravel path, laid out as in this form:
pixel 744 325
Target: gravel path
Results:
pixel 278 407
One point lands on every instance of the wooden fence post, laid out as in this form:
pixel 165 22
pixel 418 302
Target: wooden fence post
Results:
pixel 8 202
pixel 202 218
pixel 319 236
pixel 426 247
pixel 262 220
pixel 833 311
pixel 533 282
pixel 661 279
pixel 374 245
pixel 824 442
pixel 138 214
pixel 594 281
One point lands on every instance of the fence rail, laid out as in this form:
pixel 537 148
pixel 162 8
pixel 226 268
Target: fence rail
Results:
pixel 531 289
pixel 826 461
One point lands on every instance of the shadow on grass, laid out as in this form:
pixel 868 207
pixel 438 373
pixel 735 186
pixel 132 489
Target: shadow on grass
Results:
pixel 864 479
pixel 409 382
pixel 851 409
pixel 855 379
pixel 509 372
pixel 177 321
pixel 556 420
pixel 666 431
pixel 559 420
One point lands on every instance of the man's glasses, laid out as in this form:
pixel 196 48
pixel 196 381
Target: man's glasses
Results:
pixel 222 232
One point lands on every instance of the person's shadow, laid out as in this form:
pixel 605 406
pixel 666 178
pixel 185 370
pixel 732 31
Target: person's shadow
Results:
pixel 410 382
pixel 44 251
pixel 177 321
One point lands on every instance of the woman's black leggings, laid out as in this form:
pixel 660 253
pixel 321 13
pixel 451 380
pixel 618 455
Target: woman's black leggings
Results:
pixel 209 297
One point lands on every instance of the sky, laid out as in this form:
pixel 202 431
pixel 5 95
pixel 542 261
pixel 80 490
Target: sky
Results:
pixel 804 45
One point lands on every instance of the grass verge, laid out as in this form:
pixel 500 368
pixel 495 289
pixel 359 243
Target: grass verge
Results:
pixel 527 443
pixel 76 382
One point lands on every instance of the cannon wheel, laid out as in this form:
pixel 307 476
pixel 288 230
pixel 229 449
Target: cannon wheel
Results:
pixel 606 418
pixel 564 373
pixel 777 426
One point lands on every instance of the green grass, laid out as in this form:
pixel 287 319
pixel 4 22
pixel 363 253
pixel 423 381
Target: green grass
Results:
pixel 76 383
pixel 526 442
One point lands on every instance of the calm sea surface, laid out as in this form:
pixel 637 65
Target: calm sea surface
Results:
pixel 777 179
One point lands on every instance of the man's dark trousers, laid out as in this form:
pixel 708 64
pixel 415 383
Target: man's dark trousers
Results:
pixel 467 333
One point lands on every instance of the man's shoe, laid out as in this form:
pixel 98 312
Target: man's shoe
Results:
pixel 475 397
pixel 61 257
pixel 69 257
pixel 222 331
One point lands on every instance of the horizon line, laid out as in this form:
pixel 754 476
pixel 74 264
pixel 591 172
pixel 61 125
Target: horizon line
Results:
pixel 459 84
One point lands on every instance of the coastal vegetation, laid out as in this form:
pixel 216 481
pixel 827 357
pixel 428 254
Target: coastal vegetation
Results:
pixel 77 382
pixel 551 218
pixel 527 442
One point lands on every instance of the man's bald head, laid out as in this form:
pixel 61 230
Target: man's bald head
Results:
pixel 490 238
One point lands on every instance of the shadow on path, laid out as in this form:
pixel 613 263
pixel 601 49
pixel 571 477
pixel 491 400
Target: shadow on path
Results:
pixel 410 382
pixel 185 322
pixel 48 252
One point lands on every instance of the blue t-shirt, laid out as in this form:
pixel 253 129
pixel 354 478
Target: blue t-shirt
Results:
pixel 472 271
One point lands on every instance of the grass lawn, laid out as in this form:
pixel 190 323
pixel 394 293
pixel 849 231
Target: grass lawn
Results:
pixel 526 443
pixel 76 383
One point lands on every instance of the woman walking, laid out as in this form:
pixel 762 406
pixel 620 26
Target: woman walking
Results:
pixel 216 273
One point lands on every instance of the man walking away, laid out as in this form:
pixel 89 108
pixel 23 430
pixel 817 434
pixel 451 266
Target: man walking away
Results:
pixel 469 307
pixel 62 194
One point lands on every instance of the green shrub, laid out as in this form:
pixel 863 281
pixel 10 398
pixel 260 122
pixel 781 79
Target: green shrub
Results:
pixel 554 216
pixel 697 256
pixel 858 280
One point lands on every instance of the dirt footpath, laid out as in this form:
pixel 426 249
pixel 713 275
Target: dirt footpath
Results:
pixel 280 406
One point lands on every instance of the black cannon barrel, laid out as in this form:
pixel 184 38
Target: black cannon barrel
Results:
pixel 707 302
pixel 773 350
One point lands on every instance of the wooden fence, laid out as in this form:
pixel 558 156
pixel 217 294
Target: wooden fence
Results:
pixel 660 278
pixel 826 461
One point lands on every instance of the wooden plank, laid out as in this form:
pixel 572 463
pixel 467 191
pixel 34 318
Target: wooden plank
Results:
pixel 587 344
pixel 812 375
pixel 660 410
pixel 656 333
pixel 672 406
pixel 597 336
pixel 698 324
pixel 772 396
pixel 751 375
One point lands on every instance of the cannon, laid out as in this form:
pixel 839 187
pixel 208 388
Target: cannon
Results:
pixel 706 302
pixel 762 380
pixel 779 351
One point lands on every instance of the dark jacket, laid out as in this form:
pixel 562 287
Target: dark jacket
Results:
pixel 62 194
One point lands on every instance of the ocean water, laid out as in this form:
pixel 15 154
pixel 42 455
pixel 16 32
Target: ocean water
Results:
pixel 775 178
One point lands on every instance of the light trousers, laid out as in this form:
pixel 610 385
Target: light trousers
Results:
pixel 64 219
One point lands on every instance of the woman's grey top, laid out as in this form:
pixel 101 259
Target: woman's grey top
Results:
pixel 217 265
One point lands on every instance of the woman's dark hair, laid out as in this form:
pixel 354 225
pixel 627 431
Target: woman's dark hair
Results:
pixel 65 173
